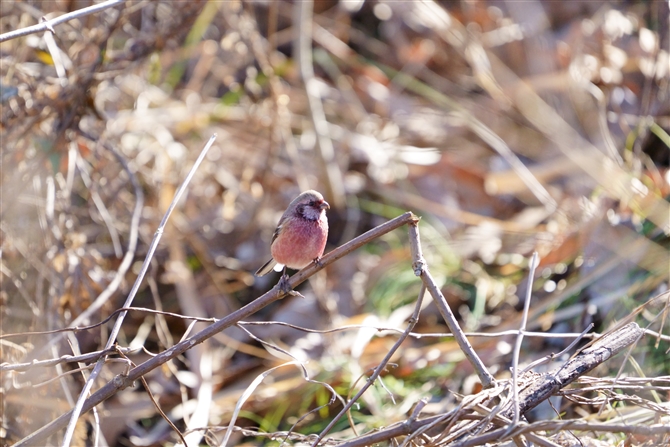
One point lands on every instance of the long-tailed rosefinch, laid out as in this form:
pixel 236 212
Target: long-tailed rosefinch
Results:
pixel 300 236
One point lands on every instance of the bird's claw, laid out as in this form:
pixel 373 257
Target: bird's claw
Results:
pixel 284 284
pixel 285 287
pixel 318 262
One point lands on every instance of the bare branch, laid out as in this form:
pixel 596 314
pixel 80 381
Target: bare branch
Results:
pixel 421 269
pixel 123 381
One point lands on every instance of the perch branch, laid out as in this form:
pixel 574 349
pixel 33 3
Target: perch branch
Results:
pixel 123 381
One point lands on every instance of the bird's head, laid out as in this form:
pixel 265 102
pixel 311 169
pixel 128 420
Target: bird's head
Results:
pixel 309 205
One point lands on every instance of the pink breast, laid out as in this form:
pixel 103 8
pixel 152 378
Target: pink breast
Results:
pixel 300 242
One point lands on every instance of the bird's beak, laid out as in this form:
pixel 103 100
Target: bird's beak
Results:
pixel 324 205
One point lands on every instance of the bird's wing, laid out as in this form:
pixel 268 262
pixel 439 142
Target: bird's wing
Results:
pixel 280 227
pixel 277 232
pixel 267 267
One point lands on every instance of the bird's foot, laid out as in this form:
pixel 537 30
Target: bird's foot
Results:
pixel 285 287
pixel 284 284
pixel 318 262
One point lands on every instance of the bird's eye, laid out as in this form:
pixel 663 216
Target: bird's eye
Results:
pixel 312 203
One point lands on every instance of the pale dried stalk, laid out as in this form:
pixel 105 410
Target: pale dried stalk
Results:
pixel 69 432
pixel 324 145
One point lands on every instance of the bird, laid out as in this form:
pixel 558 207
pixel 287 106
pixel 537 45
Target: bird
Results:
pixel 300 236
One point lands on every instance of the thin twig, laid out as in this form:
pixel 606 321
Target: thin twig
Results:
pixel 128 258
pixel 421 269
pixel 67 438
pixel 245 395
pixel 577 336
pixel 49 24
pixel 88 357
pixel 92 356
pixel 534 261
pixel 155 402
pixel 379 369
pixel 76 329
pixel 19 386
pixel 549 357
pixel 350 417
pixel 256 382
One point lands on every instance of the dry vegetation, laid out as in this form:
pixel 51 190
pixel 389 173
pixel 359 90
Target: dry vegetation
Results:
pixel 509 127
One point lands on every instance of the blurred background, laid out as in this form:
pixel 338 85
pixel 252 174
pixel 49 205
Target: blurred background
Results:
pixel 509 127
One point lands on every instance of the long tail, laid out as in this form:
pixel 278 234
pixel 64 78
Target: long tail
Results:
pixel 267 267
